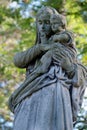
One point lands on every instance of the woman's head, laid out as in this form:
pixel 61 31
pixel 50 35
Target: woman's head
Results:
pixel 43 21
pixel 47 11
pixel 43 24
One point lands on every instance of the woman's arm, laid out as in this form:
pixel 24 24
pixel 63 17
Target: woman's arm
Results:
pixel 75 71
pixel 80 75
pixel 63 57
pixel 22 59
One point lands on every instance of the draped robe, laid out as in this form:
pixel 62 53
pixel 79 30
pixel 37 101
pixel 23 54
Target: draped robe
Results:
pixel 45 102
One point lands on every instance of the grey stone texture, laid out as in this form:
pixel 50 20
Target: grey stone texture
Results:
pixel 52 93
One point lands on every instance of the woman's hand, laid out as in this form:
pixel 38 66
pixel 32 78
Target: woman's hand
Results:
pixel 64 59
pixel 67 65
pixel 44 47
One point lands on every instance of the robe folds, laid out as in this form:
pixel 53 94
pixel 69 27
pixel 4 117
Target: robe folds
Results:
pixel 48 105
pixel 45 102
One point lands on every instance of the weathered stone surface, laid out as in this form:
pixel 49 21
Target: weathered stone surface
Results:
pixel 51 95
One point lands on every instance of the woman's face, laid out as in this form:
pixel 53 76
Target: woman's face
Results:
pixel 43 24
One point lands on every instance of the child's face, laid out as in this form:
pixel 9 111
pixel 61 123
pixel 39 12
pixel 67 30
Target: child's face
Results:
pixel 56 26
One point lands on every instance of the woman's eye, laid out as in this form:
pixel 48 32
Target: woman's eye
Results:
pixel 40 22
pixel 47 22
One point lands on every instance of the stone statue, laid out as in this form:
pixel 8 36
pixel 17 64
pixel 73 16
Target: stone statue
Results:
pixel 58 25
pixel 52 93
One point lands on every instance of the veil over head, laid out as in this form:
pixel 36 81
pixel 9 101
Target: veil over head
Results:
pixel 46 11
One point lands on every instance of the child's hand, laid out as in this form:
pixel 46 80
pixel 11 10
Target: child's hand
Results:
pixel 44 47
pixel 56 38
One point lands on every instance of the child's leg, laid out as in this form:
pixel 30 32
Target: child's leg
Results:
pixel 44 65
pixel 46 61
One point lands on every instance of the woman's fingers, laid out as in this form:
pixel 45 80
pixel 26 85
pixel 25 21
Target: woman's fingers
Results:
pixel 44 47
pixel 60 54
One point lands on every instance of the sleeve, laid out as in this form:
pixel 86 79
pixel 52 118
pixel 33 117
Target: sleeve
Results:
pixel 78 88
pixel 22 59
pixel 80 75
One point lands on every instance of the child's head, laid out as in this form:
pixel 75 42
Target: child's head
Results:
pixel 58 23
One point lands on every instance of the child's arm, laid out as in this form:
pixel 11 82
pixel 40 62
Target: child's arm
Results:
pixel 62 38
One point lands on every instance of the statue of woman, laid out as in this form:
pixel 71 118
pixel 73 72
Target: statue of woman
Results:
pixel 46 101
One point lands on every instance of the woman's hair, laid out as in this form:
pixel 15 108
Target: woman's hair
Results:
pixel 47 11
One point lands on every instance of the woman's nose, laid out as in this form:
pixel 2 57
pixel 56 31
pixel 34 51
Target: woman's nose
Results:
pixel 53 26
pixel 43 26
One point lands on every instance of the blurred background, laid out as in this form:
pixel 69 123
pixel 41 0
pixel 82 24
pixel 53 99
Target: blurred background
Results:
pixel 18 32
